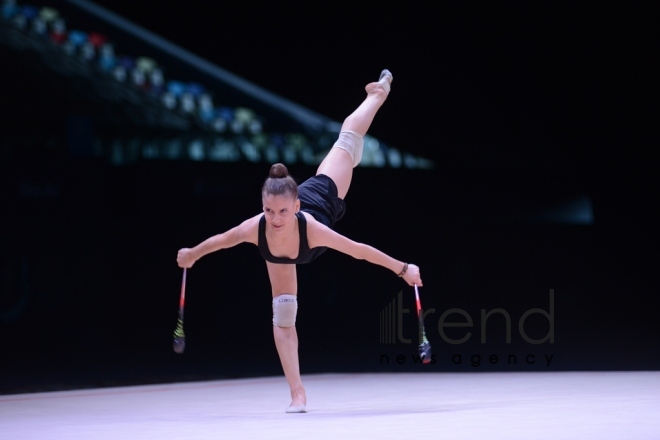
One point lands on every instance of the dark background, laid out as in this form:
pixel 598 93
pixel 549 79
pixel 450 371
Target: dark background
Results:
pixel 522 107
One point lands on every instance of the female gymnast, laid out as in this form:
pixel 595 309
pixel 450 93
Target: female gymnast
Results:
pixel 296 227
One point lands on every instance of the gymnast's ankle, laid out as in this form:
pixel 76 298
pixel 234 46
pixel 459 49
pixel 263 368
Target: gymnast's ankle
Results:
pixel 383 83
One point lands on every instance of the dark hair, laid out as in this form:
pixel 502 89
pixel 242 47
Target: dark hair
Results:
pixel 279 182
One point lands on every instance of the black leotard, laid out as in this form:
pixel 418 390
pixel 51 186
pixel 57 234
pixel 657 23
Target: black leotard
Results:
pixel 318 197
pixel 305 254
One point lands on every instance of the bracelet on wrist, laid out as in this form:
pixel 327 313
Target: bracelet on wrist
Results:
pixel 403 271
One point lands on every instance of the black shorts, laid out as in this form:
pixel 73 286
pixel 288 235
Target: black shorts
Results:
pixel 318 197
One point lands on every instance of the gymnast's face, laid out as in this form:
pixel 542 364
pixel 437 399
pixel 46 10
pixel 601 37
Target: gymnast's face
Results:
pixel 280 210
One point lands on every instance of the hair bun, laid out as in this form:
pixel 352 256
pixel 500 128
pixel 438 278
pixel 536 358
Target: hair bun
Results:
pixel 278 170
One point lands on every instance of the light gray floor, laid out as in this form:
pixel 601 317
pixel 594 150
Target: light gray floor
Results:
pixel 548 405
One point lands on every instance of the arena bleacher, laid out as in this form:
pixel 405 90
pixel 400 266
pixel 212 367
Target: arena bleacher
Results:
pixel 128 94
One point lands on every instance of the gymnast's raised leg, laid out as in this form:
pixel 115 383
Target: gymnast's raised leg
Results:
pixel 347 151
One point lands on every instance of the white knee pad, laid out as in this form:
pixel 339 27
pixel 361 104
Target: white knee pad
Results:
pixel 285 309
pixel 351 142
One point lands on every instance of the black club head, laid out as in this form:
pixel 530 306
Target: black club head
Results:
pixel 425 352
pixel 179 345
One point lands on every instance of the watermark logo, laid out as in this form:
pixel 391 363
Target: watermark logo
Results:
pixel 391 321
pixel 395 324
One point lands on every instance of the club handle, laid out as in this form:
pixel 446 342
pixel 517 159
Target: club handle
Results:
pixel 182 299
pixel 419 304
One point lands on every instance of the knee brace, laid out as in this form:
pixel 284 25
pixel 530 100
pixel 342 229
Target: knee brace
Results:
pixel 285 308
pixel 351 142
